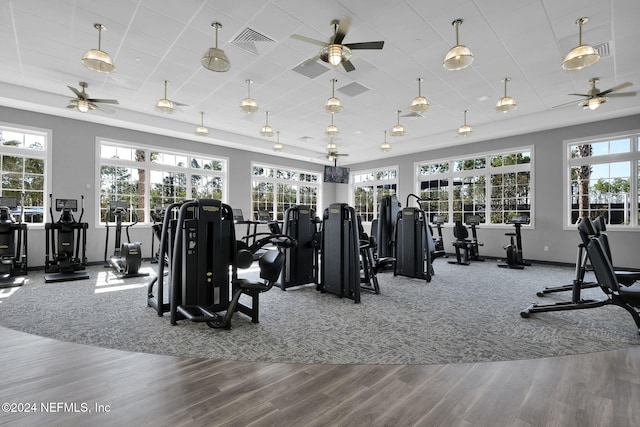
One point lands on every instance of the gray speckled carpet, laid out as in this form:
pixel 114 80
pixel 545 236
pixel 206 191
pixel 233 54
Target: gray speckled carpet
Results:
pixel 465 314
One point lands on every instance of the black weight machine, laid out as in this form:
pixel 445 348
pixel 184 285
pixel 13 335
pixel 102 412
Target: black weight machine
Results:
pixel 301 262
pixel 13 244
pixel 65 243
pixel 414 244
pixel 383 228
pixel 514 248
pixel 127 257
pixel 467 248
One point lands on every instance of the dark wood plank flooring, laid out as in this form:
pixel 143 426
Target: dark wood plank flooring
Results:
pixel 113 388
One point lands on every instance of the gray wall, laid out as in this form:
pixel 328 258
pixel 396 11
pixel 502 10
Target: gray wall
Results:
pixel 548 193
pixel 74 167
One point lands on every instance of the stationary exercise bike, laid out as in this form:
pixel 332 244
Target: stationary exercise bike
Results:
pixel 514 248
pixel 127 257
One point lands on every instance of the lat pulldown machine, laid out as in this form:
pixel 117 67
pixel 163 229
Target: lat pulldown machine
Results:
pixel 413 243
pixel 301 262
pixel 13 245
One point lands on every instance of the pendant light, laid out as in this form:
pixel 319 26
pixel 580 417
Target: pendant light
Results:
pixel 164 105
pixel 420 104
pixel 83 105
pixel 398 130
pixel 582 55
pixel 96 59
pixel 333 104
pixel 465 130
pixel 459 56
pixel 277 146
pixel 215 59
pixel 248 105
pixel 332 130
pixel 506 103
pixel 385 146
pixel 201 130
pixel 331 146
pixel 266 130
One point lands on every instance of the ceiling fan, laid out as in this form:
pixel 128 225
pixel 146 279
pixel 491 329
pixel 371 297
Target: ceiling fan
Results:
pixel 332 156
pixel 594 98
pixel 334 52
pixel 83 103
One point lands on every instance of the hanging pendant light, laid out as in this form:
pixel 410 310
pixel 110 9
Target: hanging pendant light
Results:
pixel 459 56
pixel 164 105
pixel 398 130
pixel 277 146
pixel 202 130
pixel 266 130
pixel 83 105
pixel 506 103
pixel 465 130
pixel 420 104
pixel 215 59
pixel 248 105
pixel 582 55
pixel 332 130
pixel 333 104
pixel 96 59
pixel 331 146
pixel 385 146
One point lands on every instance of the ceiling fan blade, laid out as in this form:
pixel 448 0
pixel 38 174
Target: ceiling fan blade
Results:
pixel 71 106
pixel 76 92
pixel 565 104
pixel 579 94
pixel 365 45
pixel 311 60
pixel 105 109
pixel 180 104
pixel 615 88
pixel 348 66
pixel 618 95
pixel 309 40
pixel 104 101
pixel 341 31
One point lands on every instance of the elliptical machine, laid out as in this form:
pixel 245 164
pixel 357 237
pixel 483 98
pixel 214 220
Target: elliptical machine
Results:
pixel 66 243
pixel 127 257
pixel 13 245
pixel 514 248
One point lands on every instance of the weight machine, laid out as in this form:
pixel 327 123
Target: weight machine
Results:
pixel 414 243
pixel 301 262
pixel 13 244
pixel 66 243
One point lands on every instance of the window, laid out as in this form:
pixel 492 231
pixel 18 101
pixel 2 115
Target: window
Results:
pixel 23 164
pixel 275 189
pixel 495 186
pixel 603 180
pixel 147 178
pixel 369 187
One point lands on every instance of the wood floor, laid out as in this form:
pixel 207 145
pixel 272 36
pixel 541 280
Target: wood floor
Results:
pixel 70 384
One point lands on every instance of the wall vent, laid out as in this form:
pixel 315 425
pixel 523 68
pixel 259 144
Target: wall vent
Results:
pixel 248 40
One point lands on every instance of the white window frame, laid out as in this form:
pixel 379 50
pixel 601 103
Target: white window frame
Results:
pixel 373 183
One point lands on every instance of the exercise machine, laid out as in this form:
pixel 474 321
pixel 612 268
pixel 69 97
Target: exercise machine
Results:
pixel 414 244
pixel 383 228
pixel 127 257
pixel 627 298
pixel 340 252
pixel 467 247
pixel 514 248
pixel 65 243
pixel 438 221
pixel 13 244
pixel 301 262
pixel 369 263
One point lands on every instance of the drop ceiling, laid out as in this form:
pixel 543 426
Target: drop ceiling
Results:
pixel 152 41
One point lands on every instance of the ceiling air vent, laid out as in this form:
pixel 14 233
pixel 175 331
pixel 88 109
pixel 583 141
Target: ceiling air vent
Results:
pixel 602 49
pixel 353 89
pixel 248 40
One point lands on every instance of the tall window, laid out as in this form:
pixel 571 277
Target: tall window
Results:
pixel 148 179
pixel 369 187
pixel 275 189
pixel 23 164
pixel 495 186
pixel 603 180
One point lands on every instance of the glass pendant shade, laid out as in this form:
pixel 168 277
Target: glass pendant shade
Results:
pixel 582 55
pixel 465 130
pixel 459 56
pixel 398 130
pixel 333 104
pixel 248 105
pixel 506 103
pixel 164 105
pixel 594 103
pixel 331 146
pixel 202 130
pixel 335 54
pixel 96 59
pixel 215 59
pixel 332 130
pixel 385 146
pixel 83 105
pixel 266 131
pixel 278 146
pixel 420 104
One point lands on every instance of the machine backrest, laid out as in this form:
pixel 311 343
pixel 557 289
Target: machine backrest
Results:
pixel 600 227
pixel 460 231
pixel 271 265
pixel 602 268
pixel 586 230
